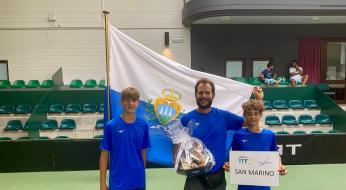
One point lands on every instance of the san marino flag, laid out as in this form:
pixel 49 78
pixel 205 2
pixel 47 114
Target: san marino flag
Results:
pixel 166 88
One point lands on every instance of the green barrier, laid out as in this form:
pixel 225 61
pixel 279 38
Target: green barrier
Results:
pixel 329 107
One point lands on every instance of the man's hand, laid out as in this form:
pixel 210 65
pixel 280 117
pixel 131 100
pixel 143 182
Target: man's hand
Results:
pixel 282 170
pixel 226 166
pixel 258 93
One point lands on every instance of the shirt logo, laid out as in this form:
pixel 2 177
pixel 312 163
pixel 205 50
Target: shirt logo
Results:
pixel 244 140
pixel 121 131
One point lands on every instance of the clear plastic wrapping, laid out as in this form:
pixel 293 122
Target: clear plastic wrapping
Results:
pixel 193 158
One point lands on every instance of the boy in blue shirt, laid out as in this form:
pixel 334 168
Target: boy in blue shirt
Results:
pixel 268 77
pixel 254 138
pixel 125 139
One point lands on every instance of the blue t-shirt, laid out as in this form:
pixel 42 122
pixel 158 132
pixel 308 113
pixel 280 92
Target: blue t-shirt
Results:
pixel 124 142
pixel 267 74
pixel 212 130
pixel 248 141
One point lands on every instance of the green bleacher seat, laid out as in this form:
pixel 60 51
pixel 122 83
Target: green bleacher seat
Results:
pixel 255 81
pixel 43 138
pixel 322 119
pixel 272 120
pixel 306 119
pixel 73 108
pixel 102 83
pixel 280 104
pixel 47 84
pixel 99 124
pixel 23 109
pixel 299 132
pixel 289 120
pixel 311 104
pixel 68 124
pixel 5 84
pixel 5 138
pixel 14 125
pixel 316 132
pixel 282 133
pixel 241 79
pixel 295 104
pixel 56 108
pixel 267 105
pixel 6 109
pixel 333 131
pixel 101 108
pixel 23 138
pixel 33 84
pixel 62 138
pixel 49 124
pixel 76 83
pixel 282 81
pixel 98 137
pixel 42 108
pixel 18 84
pixel 90 108
pixel 90 83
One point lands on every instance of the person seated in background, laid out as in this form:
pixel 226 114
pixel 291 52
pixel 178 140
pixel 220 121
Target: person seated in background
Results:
pixel 268 77
pixel 297 75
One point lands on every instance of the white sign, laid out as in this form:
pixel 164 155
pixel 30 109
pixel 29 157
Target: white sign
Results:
pixel 254 168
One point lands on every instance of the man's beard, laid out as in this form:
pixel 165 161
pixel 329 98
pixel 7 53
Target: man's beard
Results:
pixel 203 107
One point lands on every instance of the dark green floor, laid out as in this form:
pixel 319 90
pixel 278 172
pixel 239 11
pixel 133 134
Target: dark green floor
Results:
pixel 304 177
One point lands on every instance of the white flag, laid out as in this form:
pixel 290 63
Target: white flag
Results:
pixel 166 87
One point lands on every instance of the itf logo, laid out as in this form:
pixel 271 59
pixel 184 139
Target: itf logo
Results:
pixel 244 160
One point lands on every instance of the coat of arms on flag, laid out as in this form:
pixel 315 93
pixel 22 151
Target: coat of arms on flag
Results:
pixel 167 107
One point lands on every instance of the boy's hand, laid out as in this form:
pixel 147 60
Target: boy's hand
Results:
pixel 226 166
pixel 258 93
pixel 282 170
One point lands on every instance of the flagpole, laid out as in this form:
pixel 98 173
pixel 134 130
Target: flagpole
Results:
pixel 106 13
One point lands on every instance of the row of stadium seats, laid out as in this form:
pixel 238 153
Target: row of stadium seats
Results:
pixel 304 119
pixel 21 84
pixel 76 83
pixel 49 124
pixel 293 104
pixel 75 108
pixel 90 83
pixel 257 81
pixel 54 108
pixel 300 132
pixel 45 138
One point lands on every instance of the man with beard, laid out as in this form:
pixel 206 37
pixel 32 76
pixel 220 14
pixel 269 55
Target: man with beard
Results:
pixel 212 131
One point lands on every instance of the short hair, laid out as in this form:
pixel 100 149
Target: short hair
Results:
pixel 294 61
pixel 269 64
pixel 205 81
pixel 130 93
pixel 253 104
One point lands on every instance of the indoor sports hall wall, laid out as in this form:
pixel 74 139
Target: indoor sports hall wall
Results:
pixel 38 37
pixel 248 41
